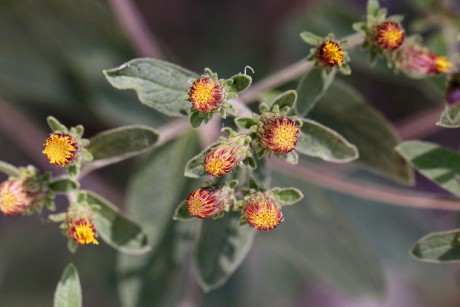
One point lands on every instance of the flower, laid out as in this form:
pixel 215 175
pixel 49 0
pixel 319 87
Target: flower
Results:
pixel 278 133
pixel 389 35
pixel 262 212
pixel 207 201
pixel 226 156
pixel 413 58
pixel 15 197
pixel 330 53
pixel 206 95
pixel 81 230
pixel 61 149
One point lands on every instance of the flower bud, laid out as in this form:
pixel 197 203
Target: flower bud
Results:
pixel 225 157
pixel 262 212
pixel 206 95
pixel 15 197
pixel 81 230
pixel 330 54
pixel 207 201
pixel 389 35
pixel 61 149
pixel 414 58
pixel 278 133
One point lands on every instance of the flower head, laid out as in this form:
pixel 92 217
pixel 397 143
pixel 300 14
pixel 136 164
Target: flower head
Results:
pixel 207 201
pixel 82 230
pixel 330 53
pixel 278 133
pixel 206 95
pixel 15 197
pixel 262 212
pixel 225 157
pixel 389 35
pixel 61 149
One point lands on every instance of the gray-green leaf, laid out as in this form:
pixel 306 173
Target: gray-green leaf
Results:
pixel 436 163
pixel 241 82
pixel 316 140
pixel 158 84
pixel 286 99
pixel 195 166
pixel 68 291
pixel 450 117
pixel 438 247
pixel 9 169
pixel 310 38
pixel 63 185
pixel 181 213
pixel 222 247
pixel 287 196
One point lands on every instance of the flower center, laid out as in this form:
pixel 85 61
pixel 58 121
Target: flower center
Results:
pixel 206 94
pixel 331 53
pixel 442 64
pixel 217 166
pixel 390 35
pixel 285 137
pixel 60 148
pixel 83 232
pixel 264 216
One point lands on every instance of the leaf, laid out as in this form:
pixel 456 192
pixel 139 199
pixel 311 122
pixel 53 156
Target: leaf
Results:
pixel 450 117
pixel 311 88
pixel 222 246
pixel 68 291
pixel 438 247
pixel 195 166
pixel 286 99
pixel 310 38
pixel 55 125
pixel 157 276
pixel 63 185
pixel 158 84
pixel 345 111
pixel 316 140
pixel 9 169
pixel 115 229
pixel 287 196
pixel 181 213
pixel 118 144
pixel 241 82
pixel 195 119
pixel 373 7
pixel 436 163
pixel 245 122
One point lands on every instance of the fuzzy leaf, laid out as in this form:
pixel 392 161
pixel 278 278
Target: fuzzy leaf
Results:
pixel 181 213
pixel 116 229
pixel 195 166
pixel 287 196
pixel 241 82
pixel 316 140
pixel 438 247
pixel 195 119
pixel 68 291
pixel 55 125
pixel 9 169
pixel 450 117
pixel 63 185
pixel 222 247
pixel 244 122
pixel 310 38
pixel 158 84
pixel 286 99
pixel 373 7
pixel 311 88
pixel 436 163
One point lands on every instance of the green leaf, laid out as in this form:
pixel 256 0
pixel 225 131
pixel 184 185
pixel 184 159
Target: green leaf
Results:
pixel 118 144
pixel 159 85
pixel 286 99
pixel 450 117
pixel 345 111
pixel 287 196
pixel 373 7
pixel 195 167
pixel 241 82
pixel 68 291
pixel 158 276
pixel 195 119
pixel 311 88
pixel 222 247
pixel 9 169
pixel 63 185
pixel 181 213
pixel 316 140
pixel 55 125
pixel 115 229
pixel 245 122
pixel 436 163
pixel 438 247
pixel 310 38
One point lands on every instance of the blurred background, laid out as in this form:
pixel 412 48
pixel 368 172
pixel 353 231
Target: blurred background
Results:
pixel 51 57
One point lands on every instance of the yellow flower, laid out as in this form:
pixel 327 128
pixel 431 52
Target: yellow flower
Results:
pixel 330 53
pixel 442 64
pixel 389 35
pixel 206 94
pixel 262 212
pixel 205 202
pixel 82 231
pixel 61 149
pixel 225 157
pixel 14 197
pixel 278 134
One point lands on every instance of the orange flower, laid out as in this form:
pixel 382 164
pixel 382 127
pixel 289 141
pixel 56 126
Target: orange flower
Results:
pixel 330 53
pixel 389 35
pixel 61 149
pixel 206 202
pixel 206 95
pixel 225 157
pixel 262 212
pixel 14 197
pixel 82 230
pixel 278 134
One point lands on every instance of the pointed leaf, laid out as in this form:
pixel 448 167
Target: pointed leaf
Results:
pixel 316 140
pixel 310 38
pixel 115 229
pixel 181 213
pixel 436 163
pixel 311 88
pixel 286 99
pixel 68 291
pixel 450 117
pixel 55 125
pixel 9 169
pixel 222 246
pixel 158 84
pixel 438 247
pixel 195 167
pixel 244 122
pixel 63 185
pixel 373 7
pixel 287 196
pixel 241 82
